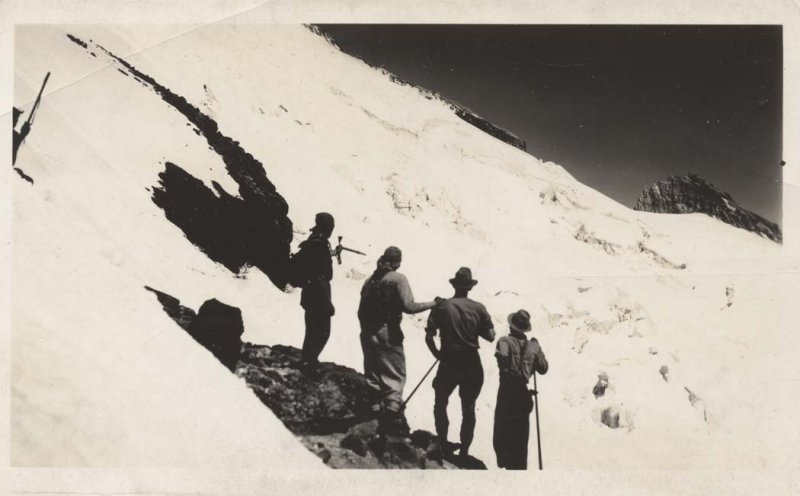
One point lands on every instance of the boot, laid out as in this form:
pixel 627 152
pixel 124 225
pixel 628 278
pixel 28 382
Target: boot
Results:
pixel 394 424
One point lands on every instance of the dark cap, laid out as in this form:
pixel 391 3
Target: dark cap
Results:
pixel 393 255
pixel 324 221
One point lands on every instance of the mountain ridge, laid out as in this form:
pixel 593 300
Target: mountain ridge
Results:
pixel 691 193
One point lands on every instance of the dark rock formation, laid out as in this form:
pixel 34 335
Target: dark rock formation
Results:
pixel 461 111
pixel 333 400
pixel 219 328
pixel 691 193
pixel 610 417
pixel 489 127
pixel 254 228
pixel 229 230
pixel 600 387
pixel 182 315
pixel 327 410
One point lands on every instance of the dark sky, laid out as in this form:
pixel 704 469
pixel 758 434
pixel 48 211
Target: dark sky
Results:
pixel 618 106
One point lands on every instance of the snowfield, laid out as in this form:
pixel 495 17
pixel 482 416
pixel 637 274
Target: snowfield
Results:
pixel 689 319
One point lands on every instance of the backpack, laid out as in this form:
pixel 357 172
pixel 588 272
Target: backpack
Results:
pixel 297 272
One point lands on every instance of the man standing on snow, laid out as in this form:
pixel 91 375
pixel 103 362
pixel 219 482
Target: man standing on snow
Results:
pixel 517 359
pixel 385 296
pixel 461 321
pixel 314 262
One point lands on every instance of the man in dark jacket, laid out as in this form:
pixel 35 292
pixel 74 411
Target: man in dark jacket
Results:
pixel 517 359
pixel 385 297
pixel 316 266
pixel 461 322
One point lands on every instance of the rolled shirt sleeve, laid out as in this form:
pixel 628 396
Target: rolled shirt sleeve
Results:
pixel 540 364
pixel 486 329
pixel 503 355
pixel 432 326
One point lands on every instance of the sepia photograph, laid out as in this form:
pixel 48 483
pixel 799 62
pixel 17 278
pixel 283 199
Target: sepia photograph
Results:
pixel 285 244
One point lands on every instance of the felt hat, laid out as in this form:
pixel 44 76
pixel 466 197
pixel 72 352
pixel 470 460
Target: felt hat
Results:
pixel 463 279
pixel 520 321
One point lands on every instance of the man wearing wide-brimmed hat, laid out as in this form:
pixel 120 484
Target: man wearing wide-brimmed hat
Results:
pixel 460 322
pixel 385 297
pixel 517 358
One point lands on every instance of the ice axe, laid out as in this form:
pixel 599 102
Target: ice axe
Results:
pixel 339 249
pixel 535 394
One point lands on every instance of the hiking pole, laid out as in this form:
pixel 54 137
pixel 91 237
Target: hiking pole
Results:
pixel 420 383
pixel 536 403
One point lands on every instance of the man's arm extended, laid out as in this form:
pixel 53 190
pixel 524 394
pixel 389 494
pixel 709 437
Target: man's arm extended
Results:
pixel 407 297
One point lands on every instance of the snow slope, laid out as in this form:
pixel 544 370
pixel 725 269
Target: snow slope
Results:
pixel 101 376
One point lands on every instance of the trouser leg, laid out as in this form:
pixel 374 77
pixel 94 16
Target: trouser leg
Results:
pixel 500 431
pixel 318 330
pixel 391 364
pixel 443 386
pixel 371 373
pixel 518 422
pixel 469 390
pixel 525 424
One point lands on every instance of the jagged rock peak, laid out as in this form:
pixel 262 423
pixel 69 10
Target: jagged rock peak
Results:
pixel 693 194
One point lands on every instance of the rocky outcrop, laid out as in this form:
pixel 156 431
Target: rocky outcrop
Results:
pixel 216 326
pixel 219 328
pixel 251 229
pixel 332 400
pixel 327 410
pixel 489 127
pixel 693 194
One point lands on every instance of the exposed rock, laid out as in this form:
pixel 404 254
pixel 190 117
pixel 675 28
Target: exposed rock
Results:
pixel 398 452
pixel 599 389
pixel 693 398
pixel 359 437
pixel 180 314
pixel 219 328
pixel 582 234
pixel 615 418
pixel 327 409
pixel 22 174
pixel 331 400
pixel 729 292
pixel 489 127
pixel 664 371
pixel 691 193
pixel 251 229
